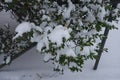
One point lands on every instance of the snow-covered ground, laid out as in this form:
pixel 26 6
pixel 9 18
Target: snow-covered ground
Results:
pixel 30 66
pixel 6 18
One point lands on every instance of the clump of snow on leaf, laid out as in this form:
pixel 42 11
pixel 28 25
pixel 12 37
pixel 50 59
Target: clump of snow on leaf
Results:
pixel 22 28
pixel 67 11
pixel 57 35
pixel 67 51
pixel 102 13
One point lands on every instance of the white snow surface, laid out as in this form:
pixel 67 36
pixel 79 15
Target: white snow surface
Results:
pixel 30 66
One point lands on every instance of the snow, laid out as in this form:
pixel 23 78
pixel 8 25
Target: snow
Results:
pixel 8 0
pixel 118 6
pixel 86 50
pixel 47 57
pixel 68 52
pixel 30 66
pixel 44 17
pixel 8 60
pixel 51 35
pixel 102 13
pixel 57 35
pixel 91 17
pixel 24 27
pixel 99 1
pixel 40 45
pixel 37 28
pixel 7 18
pixel 67 11
pixel 1 58
pixel 29 69
pixel 84 9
